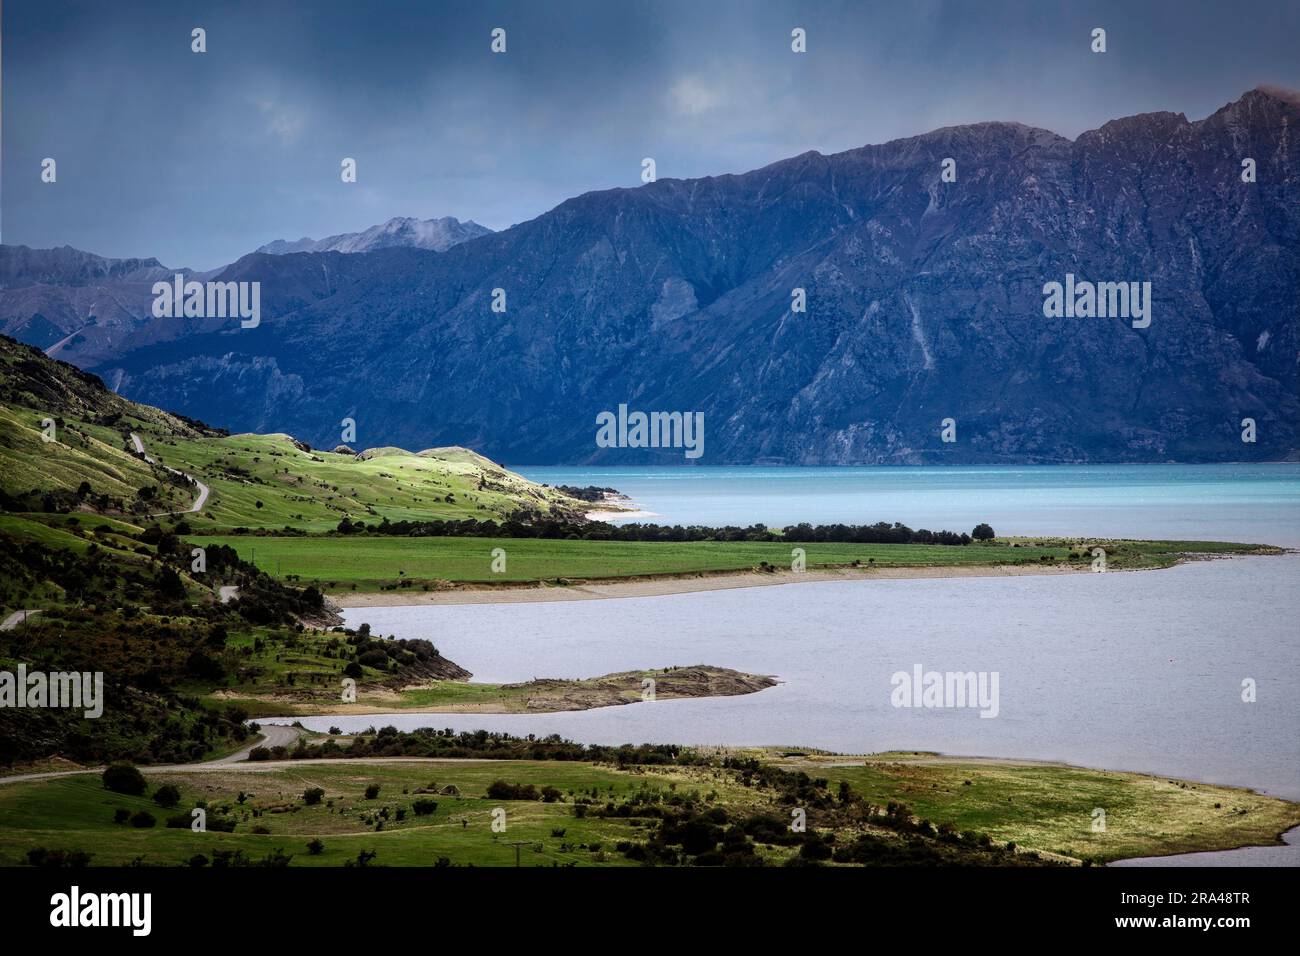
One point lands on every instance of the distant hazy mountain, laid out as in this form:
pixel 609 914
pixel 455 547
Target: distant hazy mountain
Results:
pixel 924 302
pixel 436 234
pixel 48 295
pixel 83 308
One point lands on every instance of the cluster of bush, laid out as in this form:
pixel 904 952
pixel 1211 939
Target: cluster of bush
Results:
pixel 277 859
pixel 58 859
pixel 501 790
pixel 92 577
pixel 432 742
pixel 684 829
pixel 706 838
pixel 62 501
pixel 128 780
pixel 144 719
pixel 386 654
pixel 586 492
pixel 550 528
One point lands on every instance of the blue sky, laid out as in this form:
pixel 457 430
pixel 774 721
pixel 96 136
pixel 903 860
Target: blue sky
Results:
pixel 198 159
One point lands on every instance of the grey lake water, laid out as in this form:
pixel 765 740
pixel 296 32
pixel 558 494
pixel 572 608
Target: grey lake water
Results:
pixel 1124 670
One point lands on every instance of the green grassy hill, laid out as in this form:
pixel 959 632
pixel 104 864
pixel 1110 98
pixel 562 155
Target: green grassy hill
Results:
pixel 256 481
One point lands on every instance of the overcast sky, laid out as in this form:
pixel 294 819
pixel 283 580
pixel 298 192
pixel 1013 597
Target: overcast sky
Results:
pixel 198 159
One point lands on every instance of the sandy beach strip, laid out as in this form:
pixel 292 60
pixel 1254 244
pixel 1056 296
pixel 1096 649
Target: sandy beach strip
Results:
pixel 622 514
pixel 529 593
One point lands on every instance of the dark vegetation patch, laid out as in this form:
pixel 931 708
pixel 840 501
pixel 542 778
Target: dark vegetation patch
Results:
pixel 880 533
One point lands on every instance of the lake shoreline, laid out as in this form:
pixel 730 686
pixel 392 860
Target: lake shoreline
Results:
pixel 532 592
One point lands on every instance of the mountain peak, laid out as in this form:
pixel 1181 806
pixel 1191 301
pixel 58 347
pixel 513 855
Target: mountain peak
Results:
pixel 438 235
pixel 1274 92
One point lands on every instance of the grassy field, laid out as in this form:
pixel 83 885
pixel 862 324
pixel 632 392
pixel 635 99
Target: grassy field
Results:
pixel 370 563
pixel 1050 807
pixel 76 812
pixel 1041 807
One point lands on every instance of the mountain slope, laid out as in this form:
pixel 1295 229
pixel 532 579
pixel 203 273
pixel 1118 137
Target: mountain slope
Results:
pixel 256 481
pixel 925 302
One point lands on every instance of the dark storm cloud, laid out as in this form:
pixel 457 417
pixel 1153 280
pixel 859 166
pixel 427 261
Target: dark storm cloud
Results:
pixel 198 159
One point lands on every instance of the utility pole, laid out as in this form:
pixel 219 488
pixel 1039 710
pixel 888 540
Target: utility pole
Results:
pixel 517 844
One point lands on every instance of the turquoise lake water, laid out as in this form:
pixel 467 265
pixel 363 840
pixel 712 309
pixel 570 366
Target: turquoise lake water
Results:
pixel 1207 502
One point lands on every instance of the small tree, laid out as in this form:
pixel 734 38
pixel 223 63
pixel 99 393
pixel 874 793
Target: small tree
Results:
pixel 170 585
pixel 983 532
pixel 312 796
pixel 167 796
pixel 124 778
pixel 315 847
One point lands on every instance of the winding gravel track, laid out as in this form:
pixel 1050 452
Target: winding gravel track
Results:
pixel 199 502
pixel 16 618
pixel 272 735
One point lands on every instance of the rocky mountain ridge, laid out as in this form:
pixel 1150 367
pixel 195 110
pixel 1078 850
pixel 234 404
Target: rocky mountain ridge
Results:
pixel 924 303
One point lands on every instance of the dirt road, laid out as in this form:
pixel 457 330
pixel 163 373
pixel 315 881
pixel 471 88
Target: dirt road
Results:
pixel 199 502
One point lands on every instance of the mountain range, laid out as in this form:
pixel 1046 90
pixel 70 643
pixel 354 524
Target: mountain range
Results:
pixel 924 302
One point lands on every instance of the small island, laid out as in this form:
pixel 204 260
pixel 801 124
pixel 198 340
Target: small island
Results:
pixel 538 696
